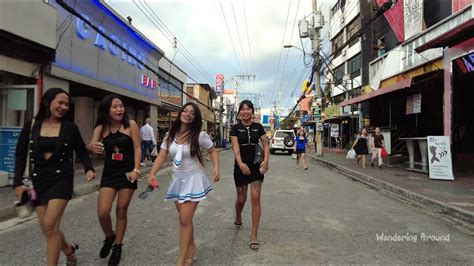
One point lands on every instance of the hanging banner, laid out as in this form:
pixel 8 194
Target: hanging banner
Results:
pixel 439 158
pixel 413 105
pixel 335 130
pixel 219 84
pixel 413 15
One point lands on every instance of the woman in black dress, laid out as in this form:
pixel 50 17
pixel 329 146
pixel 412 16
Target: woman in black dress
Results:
pixel 52 143
pixel 244 136
pixel 119 137
pixel 361 147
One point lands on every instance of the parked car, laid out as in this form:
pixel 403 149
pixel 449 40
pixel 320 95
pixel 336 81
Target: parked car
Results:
pixel 282 140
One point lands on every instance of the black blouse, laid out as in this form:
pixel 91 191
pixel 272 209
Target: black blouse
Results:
pixel 246 135
pixel 68 141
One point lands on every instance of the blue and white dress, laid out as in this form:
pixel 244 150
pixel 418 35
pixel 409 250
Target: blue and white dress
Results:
pixel 189 183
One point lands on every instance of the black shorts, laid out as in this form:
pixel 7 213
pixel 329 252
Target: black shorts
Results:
pixel 300 151
pixel 241 180
pixel 60 189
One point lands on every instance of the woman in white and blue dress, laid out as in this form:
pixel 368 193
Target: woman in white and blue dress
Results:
pixel 190 185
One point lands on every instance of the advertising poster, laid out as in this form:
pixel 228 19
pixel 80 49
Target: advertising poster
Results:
pixel 439 158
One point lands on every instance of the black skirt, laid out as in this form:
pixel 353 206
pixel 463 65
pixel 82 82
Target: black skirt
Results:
pixel 241 180
pixel 361 147
pixel 61 189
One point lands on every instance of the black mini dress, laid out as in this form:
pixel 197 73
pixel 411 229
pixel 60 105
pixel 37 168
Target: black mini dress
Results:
pixel 116 166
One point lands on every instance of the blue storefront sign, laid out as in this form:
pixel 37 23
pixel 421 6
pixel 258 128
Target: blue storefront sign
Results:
pixel 8 139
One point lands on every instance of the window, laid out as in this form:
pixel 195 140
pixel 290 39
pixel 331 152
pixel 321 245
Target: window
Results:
pixel 337 44
pixel 338 74
pixel 353 29
pixel 354 65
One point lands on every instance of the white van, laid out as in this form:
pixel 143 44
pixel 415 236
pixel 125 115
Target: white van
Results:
pixel 283 140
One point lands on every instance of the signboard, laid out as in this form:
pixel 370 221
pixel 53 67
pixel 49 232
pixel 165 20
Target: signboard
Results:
pixel 335 130
pixel 413 105
pixel 439 158
pixel 466 63
pixel 319 126
pixel 219 84
pixel 413 14
pixel 8 139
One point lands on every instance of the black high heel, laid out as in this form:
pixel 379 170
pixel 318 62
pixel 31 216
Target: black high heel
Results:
pixel 71 259
pixel 105 250
pixel 116 255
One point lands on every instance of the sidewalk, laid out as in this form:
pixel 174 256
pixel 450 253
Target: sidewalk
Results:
pixel 453 199
pixel 81 186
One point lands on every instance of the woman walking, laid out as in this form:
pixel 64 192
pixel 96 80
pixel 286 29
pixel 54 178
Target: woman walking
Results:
pixel 51 141
pixel 245 136
pixel 190 184
pixel 378 143
pixel 361 147
pixel 119 136
pixel 300 148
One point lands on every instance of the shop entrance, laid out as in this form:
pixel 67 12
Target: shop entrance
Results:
pixel 462 115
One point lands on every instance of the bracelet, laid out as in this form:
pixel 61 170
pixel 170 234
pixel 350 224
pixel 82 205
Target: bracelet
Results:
pixel 136 170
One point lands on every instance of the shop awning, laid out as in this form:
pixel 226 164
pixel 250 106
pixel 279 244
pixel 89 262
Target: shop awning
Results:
pixel 404 83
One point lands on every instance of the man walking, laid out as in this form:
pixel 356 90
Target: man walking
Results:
pixel 148 140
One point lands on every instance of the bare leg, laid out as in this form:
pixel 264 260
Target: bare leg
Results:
pixel 363 161
pixel 298 156
pixel 255 191
pixel 303 159
pixel 50 219
pixel 186 229
pixel 240 202
pixel 124 198
pixel 104 206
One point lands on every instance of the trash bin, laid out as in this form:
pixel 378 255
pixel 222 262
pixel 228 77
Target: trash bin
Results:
pixel 224 143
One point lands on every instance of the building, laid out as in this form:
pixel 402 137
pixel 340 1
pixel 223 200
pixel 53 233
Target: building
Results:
pixel 205 94
pixel 86 49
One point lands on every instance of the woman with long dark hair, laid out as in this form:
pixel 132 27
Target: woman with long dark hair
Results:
pixel 301 142
pixel 361 147
pixel 245 136
pixel 119 137
pixel 52 142
pixel 190 185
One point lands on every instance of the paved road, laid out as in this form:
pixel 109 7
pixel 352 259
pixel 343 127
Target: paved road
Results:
pixel 314 216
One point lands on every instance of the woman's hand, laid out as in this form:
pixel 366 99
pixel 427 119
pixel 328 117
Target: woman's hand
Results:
pixel 216 175
pixel 96 147
pixel 244 168
pixel 90 175
pixel 153 182
pixel 19 191
pixel 134 176
pixel 264 165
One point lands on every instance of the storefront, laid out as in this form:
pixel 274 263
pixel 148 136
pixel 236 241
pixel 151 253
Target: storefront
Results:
pixel 100 53
pixel 26 48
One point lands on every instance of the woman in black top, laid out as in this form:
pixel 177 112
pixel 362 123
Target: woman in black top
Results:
pixel 361 147
pixel 52 143
pixel 120 138
pixel 244 136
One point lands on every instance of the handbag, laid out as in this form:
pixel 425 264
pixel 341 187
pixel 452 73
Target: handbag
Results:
pixel 384 152
pixel 294 156
pixel 24 207
pixel 259 154
pixel 351 154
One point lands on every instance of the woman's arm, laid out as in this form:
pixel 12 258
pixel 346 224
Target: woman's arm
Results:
pixel 21 153
pixel 81 151
pixel 355 143
pixel 266 152
pixel 157 165
pixel 215 160
pixel 95 146
pixel 137 148
pixel 238 158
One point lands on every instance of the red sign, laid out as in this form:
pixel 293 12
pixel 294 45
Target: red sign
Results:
pixel 148 82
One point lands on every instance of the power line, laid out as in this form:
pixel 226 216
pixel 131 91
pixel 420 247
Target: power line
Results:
pixel 230 37
pixel 238 35
pixel 173 40
pixel 281 48
pixel 248 41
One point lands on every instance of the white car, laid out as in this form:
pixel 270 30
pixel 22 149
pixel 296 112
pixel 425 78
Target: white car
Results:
pixel 283 140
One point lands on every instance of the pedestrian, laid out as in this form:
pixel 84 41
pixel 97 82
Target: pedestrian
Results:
pixel 361 147
pixel 378 143
pixel 244 137
pixel 148 140
pixel 119 137
pixel 50 141
pixel 190 185
pixel 300 148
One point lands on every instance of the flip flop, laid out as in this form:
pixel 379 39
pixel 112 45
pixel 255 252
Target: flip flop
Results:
pixel 254 245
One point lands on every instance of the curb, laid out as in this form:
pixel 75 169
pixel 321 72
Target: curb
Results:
pixel 465 218
pixel 79 190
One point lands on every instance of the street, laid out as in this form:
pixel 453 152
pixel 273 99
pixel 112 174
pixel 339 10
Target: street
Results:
pixel 308 217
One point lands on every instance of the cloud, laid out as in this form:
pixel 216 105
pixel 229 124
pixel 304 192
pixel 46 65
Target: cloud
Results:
pixel 201 28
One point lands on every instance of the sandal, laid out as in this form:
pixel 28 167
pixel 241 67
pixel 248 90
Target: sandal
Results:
pixel 306 168
pixel 238 225
pixel 254 245
pixel 72 258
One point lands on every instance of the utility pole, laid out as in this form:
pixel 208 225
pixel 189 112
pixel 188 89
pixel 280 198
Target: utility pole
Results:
pixel 317 73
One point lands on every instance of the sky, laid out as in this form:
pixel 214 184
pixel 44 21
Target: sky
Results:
pixel 232 38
